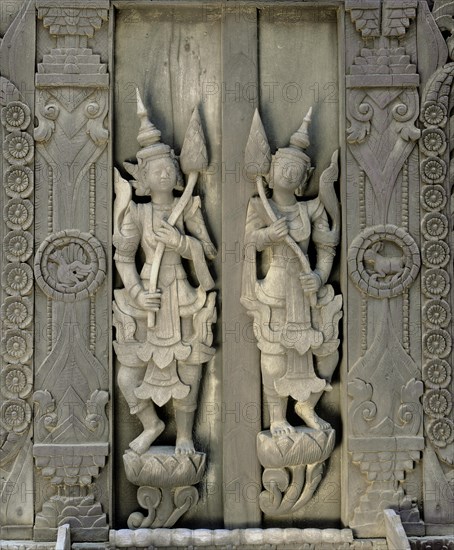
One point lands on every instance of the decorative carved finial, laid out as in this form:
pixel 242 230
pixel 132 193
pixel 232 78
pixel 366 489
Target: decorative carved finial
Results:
pixel 194 157
pixel 300 138
pixel 148 133
pixel 257 156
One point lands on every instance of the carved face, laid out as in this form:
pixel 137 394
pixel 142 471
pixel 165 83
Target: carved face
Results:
pixel 157 175
pixel 288 173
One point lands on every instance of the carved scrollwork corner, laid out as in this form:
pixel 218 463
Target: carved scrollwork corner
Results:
pixel 96 418
pixel 361 112
pixel 47 114
pixel 46 417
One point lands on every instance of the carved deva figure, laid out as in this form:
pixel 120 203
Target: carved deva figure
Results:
pixel 163 323
pixel 295 311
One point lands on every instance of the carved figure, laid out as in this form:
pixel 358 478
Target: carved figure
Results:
pixel 382 265
pixel 163 323
pixel 295 311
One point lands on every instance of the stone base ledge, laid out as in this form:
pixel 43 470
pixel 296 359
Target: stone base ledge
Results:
pixel 235 538
pixel 119 540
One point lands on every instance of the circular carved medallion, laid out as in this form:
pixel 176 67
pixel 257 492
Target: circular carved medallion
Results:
pixel 383 261
pixel 70 265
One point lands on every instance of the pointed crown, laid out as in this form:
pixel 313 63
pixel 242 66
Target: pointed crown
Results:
pixel 298 142
pixel 149 137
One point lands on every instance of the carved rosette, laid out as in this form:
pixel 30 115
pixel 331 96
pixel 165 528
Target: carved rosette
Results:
pixel 436 285
pixel 16 346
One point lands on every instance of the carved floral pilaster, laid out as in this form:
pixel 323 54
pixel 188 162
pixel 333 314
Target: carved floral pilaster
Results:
pixel 385 438
pixel 70 267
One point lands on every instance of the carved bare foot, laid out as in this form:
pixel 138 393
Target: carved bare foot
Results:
pixel 281 427
pixel 310 417
pixel 142 443
pixel 184 446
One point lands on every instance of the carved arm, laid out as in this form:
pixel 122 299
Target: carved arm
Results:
pixel 326 249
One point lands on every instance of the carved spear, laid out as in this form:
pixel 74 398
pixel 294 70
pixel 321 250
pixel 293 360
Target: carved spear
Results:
pixel 257 158
pixel 193 159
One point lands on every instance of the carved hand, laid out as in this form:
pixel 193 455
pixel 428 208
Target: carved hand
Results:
pixel 168 235
pixel 278 230
pixel 149 300
pixel 310 282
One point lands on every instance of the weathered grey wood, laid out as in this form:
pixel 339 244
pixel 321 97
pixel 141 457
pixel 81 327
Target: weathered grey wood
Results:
pixel 241 399
pixel 290 83
pixel 395 533
pixel 63 538
pixel 166 40
pixel 239 538
pixel 395 269
pixel 161 349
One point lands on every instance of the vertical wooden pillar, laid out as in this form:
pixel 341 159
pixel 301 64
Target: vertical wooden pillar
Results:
pixel 384 429
pixel 241 404
pixel 73 302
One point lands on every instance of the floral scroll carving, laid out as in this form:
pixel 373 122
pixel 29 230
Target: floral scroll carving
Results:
pixel 436 313
pixel 16 348
pixel 386 436
pixel 384 260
